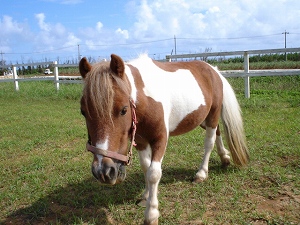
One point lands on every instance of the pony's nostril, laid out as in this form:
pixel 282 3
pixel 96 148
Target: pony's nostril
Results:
pixel 94 173
pixel 110 173
pixel 107 173
pixel 102 177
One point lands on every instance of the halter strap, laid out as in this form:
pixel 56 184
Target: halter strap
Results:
pixel 115 155
pixel 106 153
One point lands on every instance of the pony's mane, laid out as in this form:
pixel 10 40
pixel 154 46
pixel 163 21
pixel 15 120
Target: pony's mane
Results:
pixel 99 91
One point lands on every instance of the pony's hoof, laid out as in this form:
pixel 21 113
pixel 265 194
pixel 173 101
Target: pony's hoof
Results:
pixel 142 203
pixel 225 161
pixel 198 180
pixel 200 176
pixel 154 222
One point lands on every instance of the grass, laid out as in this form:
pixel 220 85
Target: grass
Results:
pixel 45 173
pixel 258 65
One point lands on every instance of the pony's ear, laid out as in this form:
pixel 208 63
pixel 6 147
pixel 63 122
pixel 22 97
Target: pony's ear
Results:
pixel 117 65
pixel 84 67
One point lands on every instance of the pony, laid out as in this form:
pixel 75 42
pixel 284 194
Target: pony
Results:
pixel 146 101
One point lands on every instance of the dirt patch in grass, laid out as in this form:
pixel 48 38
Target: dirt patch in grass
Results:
pixel 274 209
pixel 267 210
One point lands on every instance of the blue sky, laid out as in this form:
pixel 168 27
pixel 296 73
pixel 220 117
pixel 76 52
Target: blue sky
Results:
pixel 35 30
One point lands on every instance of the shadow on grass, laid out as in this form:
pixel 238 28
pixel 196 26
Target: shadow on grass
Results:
pixel 174 174
pixel 89 202
pixel 86 202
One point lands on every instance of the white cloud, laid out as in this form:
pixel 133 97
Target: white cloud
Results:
pixel 214 9
pixel 216 24
pixel 99 26
pixel 13 33
pixel 92 34
pixel 167 18
pixel 91 44
pixel 99 38
pixel 53 36
pixel 8 26
pixel 41 21
pixel 71 40
pixel 148 21
pixel 59 29
pixel 124 33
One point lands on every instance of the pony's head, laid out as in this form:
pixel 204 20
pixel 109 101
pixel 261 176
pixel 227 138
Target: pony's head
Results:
pixel 107 108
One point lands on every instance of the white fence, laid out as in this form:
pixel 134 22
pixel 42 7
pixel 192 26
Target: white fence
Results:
pixel 245 74
pixel 55 78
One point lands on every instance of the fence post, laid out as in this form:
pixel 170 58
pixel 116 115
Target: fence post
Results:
pixel 168 59
pixel 15 77
pixel 247 78
pixel 56 79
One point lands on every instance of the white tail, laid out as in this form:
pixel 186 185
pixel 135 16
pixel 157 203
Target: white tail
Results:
pixel 233 125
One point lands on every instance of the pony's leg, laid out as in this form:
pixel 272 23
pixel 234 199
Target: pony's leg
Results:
pixel 153 172
pixel 210 138
pixel 153 176
pixel 222 151
pixel 145 162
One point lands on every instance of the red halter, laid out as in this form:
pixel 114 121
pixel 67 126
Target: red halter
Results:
pixel 115 155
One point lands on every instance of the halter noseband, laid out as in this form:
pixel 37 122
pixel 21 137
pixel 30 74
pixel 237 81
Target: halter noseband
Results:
pixel 115 155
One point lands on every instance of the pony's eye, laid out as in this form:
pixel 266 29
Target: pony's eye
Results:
pixel 124 111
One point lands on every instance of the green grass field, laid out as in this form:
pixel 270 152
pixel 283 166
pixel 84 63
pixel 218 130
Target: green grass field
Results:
pixel 45 175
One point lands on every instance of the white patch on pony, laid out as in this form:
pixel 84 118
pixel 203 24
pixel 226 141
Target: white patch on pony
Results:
pixel 99 157
pixel 131 80
pixel 210 138
pixel 153 177
pixel 222 151
pixel 145 161
pixel 145 158
pixel 103 145
pixel 178 91
pixel 154 172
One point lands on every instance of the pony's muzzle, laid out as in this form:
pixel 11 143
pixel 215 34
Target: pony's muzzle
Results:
pixel 108 171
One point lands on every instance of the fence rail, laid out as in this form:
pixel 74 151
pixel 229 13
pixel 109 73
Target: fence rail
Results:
pixel 55 78
pixel 249 52
pixel 260 73
pixel 245 74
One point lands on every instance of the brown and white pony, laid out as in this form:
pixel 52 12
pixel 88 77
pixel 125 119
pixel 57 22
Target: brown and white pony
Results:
pixel 146 101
